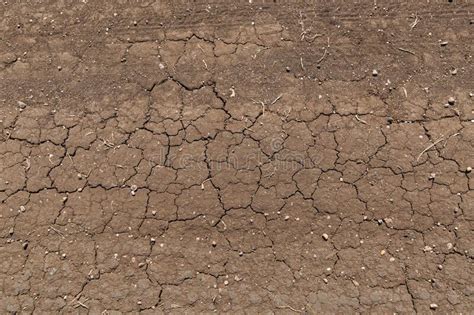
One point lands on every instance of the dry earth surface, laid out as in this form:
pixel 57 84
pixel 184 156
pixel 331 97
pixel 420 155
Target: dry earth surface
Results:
pixel 236 157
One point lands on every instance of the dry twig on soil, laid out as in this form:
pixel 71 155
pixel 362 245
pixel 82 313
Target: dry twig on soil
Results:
pixel 417 20
pixel 361 120
pixel 429 147
pixel 407 51
pixel 290 308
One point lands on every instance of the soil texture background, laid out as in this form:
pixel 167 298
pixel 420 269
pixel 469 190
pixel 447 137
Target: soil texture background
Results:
pixel 236 157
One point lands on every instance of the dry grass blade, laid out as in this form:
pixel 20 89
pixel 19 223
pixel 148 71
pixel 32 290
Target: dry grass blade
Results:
pixel 406 50
pixel 417 20
pixel 429 147
pixel 290 308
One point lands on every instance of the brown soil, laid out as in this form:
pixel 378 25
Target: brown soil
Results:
pixel 231 157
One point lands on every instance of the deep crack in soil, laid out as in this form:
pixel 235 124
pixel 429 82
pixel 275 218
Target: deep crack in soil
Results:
pixel 257 157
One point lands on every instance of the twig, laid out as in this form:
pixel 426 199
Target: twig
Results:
pixel 312 38
pixel 453 135
pixel 57 231
pixel 324 55
pixel 406 50
pixel 225 225
pixel 301 62
pixel 361 120
pixel 405 91
pixel 290 308
pixel 199 46
pixel 69 156
pixel 276 100
pixel 412 26
pixel 74 299
pixel 263 106
pixel 430 146
pixel 79 303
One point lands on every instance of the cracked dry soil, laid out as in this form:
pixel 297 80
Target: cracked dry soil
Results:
pixel 249 157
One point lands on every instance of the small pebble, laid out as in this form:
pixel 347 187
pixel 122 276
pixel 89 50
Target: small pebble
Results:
pixel 451 100
pixel 468 169
pixel 453 71
pixel 427 248
pixel 433 306
pixel 60 68
pixel 375 73
pixel 325 236
pixel 444 43
pixel 21 104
